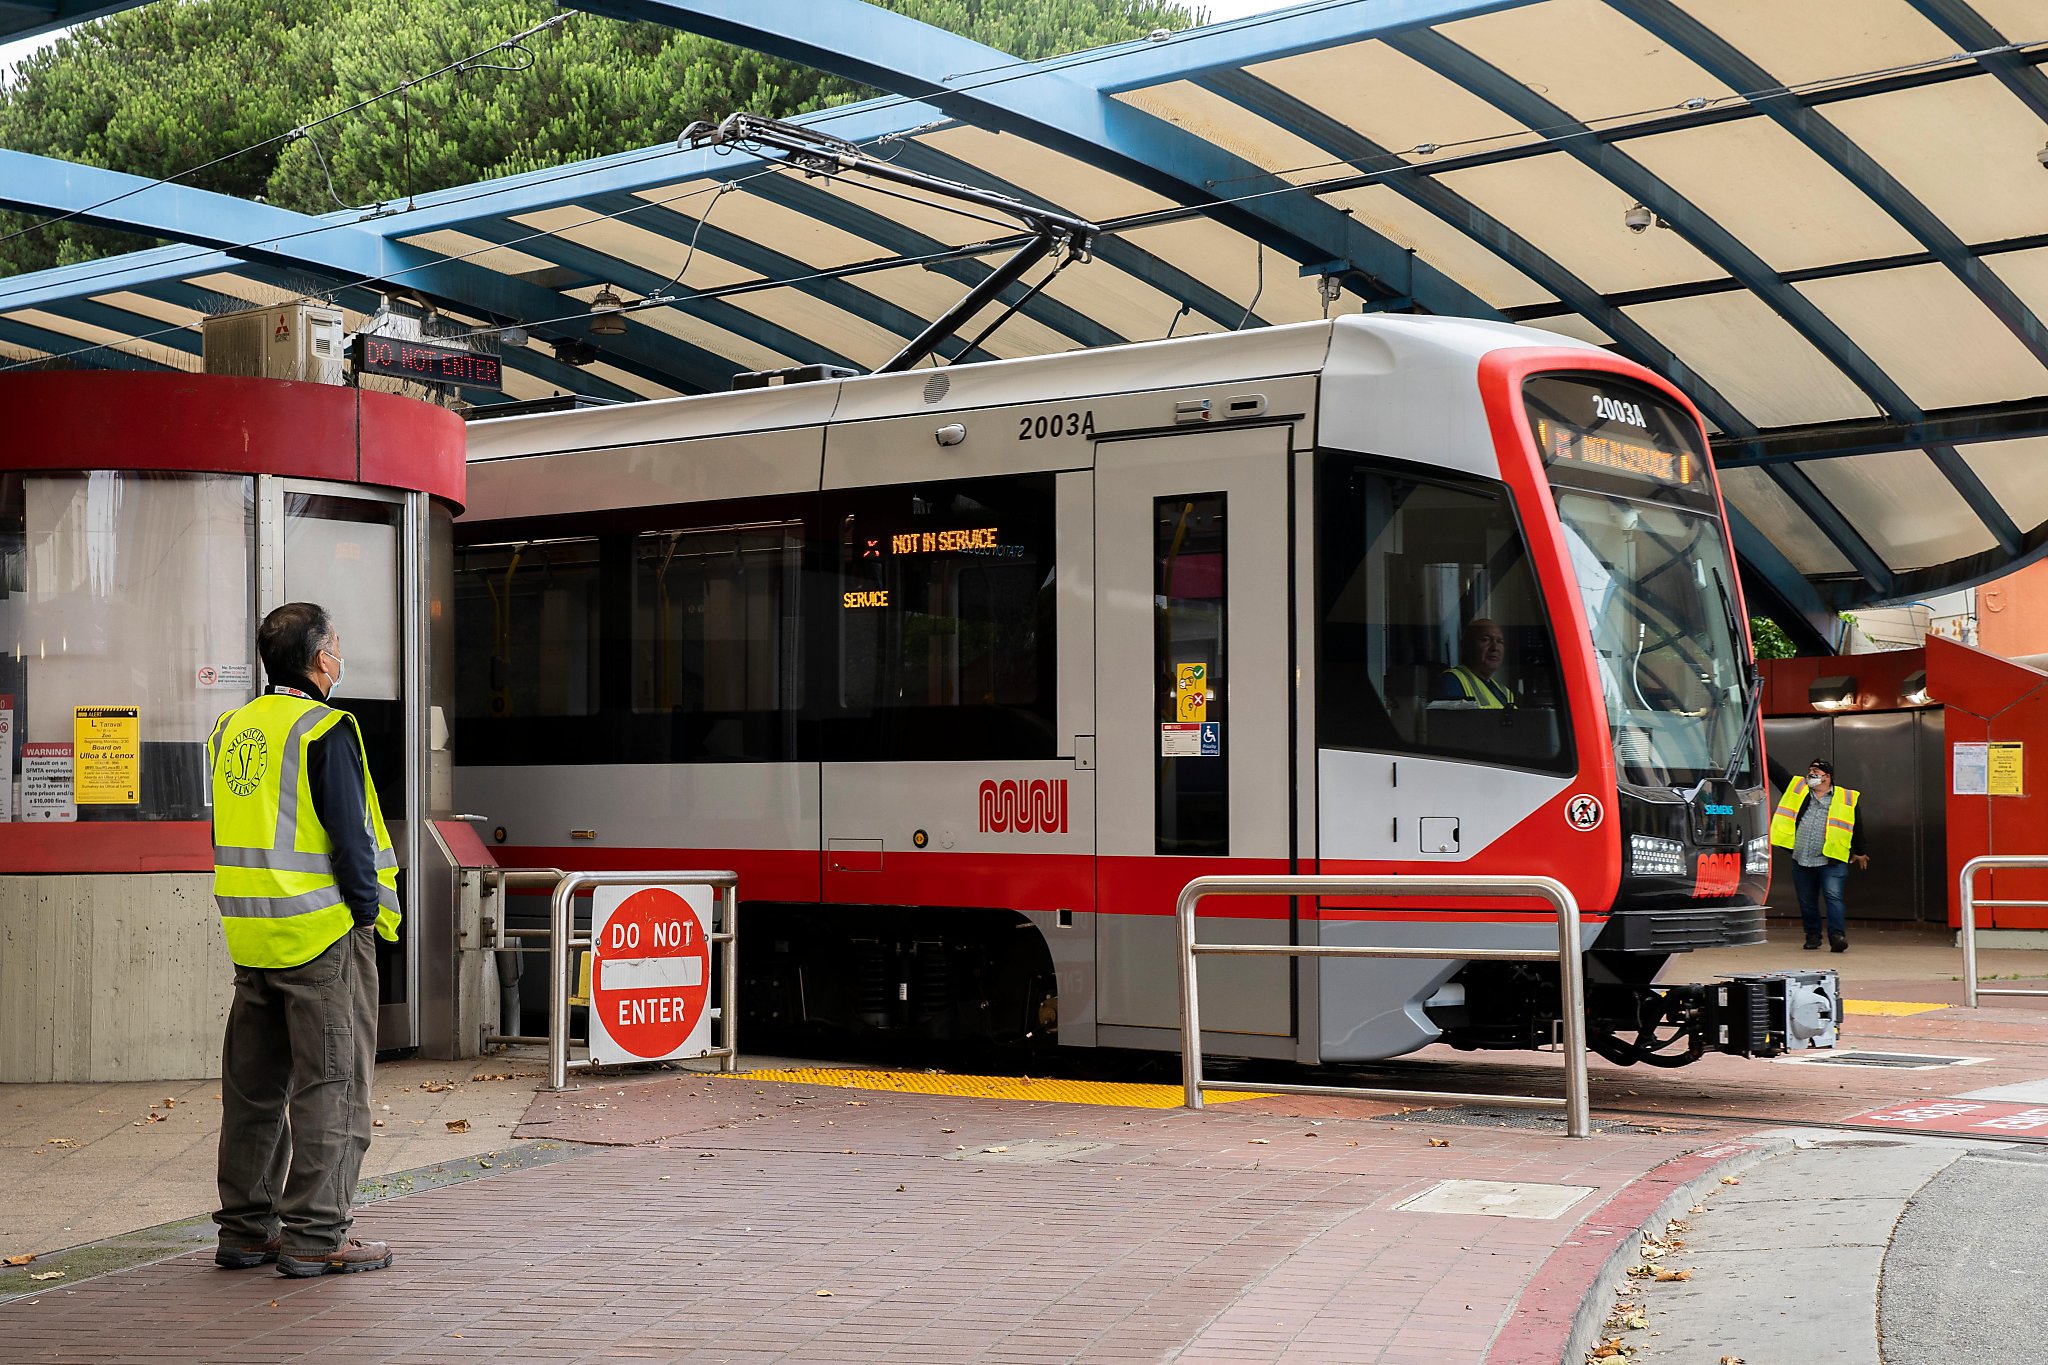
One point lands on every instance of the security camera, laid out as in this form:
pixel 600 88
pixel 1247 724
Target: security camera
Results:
pixel 1638 218
pixel 2042 157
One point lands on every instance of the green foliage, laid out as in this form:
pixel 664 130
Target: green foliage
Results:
pixel 1769 639
pixel 171 85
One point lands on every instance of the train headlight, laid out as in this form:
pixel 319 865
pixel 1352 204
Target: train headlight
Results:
pixel 1649 857
pixel 1756 858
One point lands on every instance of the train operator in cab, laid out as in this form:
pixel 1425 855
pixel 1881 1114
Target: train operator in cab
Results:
pixel 1482 648
pixel 1824 839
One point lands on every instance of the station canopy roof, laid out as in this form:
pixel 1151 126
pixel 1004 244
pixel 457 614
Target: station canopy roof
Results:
pixel 1826 221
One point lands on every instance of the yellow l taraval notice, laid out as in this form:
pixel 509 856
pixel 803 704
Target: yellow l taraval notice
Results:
pixel 106 748
pixel 2006 769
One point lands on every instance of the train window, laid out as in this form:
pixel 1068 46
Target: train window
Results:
pixel 1433 635
pixel 714 620
pixel 526 626
pixel 944 621
pixel 1190 673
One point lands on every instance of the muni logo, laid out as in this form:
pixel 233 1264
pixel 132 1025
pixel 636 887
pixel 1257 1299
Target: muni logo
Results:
pixel 1720 874
pixel 1011 807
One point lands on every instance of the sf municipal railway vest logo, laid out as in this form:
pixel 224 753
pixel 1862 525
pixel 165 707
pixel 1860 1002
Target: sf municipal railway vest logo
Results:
pixel 1010 807
pixel 245 760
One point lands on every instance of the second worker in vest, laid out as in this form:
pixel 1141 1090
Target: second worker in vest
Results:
pixel 305 876
pixel 1816 822
pixel 1482 649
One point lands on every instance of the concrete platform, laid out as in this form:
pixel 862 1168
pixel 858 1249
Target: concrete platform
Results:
pixel 821 1216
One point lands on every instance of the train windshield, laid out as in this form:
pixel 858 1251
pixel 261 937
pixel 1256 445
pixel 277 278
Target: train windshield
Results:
pixel 1629 475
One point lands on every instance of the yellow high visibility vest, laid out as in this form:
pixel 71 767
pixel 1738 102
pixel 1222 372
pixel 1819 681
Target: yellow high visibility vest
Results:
pixel 1490 695
pixel 1841 819
pixel 273 873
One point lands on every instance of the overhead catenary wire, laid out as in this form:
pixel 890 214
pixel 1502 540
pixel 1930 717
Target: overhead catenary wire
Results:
pixel 1173 213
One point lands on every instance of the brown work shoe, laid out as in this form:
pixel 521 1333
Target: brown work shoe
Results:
pixel 247 1258
pixel 350 1258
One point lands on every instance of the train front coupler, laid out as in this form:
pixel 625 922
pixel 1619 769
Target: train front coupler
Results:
pixel 1761 1014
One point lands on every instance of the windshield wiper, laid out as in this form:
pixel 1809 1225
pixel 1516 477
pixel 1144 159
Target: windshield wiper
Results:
pixel 1756 679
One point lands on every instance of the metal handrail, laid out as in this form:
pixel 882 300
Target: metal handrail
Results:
pixel 1569 956
pixel 1969 913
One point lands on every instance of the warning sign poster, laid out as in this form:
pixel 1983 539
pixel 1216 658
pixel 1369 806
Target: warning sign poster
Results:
pixel 106 750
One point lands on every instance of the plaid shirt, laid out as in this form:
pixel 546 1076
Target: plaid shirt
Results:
pixel 1812 832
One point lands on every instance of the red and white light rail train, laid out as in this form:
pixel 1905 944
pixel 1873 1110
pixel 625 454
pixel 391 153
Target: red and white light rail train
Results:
pixel 967 671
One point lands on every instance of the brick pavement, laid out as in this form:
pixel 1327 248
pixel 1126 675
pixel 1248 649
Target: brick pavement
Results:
pixel 710 1212
pixel 1095 1234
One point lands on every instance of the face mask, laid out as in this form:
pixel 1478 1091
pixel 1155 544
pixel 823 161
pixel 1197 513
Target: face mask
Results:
pixel 340 667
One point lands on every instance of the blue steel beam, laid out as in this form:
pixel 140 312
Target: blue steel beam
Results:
pixel 32 18
pixel 1342 141
pixel 1112 250
pixel 265 236
pixel 1721 60
pixel 881 48
pixel 1714 241
pixel 57 344
pixel 2018 72
pixel 632 278
pixel 1768 563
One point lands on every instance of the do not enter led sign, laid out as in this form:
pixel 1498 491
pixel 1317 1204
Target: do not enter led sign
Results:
pixel 428 364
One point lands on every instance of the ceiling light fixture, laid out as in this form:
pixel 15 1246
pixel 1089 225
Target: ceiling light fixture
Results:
pixel 607 323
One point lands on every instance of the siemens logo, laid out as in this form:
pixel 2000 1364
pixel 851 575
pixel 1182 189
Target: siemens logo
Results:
pixel 1712 809
pixel 1614 410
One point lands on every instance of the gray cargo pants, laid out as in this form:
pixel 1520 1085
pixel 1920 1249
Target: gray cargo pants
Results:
pixel 295 1097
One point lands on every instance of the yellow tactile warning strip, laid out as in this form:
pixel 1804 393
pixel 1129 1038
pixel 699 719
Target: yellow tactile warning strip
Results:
pixel 992 1087
pixel 1888 1007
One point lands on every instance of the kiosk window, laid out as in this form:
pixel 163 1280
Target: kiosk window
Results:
pixel 1434 638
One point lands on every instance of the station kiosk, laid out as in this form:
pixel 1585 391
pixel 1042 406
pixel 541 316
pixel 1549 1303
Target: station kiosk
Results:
pixel 147 523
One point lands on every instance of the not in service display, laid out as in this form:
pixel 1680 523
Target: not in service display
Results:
pixel 428 364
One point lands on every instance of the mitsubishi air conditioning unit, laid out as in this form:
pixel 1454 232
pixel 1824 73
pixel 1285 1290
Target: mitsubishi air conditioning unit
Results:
pixel 300 341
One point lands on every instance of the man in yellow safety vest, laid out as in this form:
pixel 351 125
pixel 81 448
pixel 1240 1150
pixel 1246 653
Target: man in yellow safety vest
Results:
pixel 1482 649
pixel 1823 837
pixel 305 876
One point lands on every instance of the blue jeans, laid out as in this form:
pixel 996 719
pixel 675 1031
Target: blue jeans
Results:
pixel 1815 884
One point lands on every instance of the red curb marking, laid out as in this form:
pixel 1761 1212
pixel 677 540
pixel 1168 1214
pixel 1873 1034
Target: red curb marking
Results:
pixel 1543 1317
pixel 1957 1116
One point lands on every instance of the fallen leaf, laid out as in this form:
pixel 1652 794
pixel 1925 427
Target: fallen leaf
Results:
pixel 1005 1149
pixel 1606 1350
pixel 170 1103
pixel 1666 1276
pixel 48 1275
pixel 60 1142
pixel 823 1293
pixel 19 1260
pixel 1697 1208
pixel 1731 1360
pixel 1731 1180
pixel 899 1189
pixel 376 1123
pixel 273 1303
pixel 458 1125
pixel 949 1130
pixel 1439 1142
pixel 1260 1142
pixel 1635 1321
pixel 435 1087
pixel 155 1117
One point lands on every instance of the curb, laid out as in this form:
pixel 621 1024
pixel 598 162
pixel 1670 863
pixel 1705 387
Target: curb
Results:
pixel 1557 1318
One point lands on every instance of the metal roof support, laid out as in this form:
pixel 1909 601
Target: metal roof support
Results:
pixel 121 321
pixel 991 89
pixel 2018 72
pixel 57 343
pixel 748 254
pixel 709 372
pixel 1828 517
pixel 1718 58
pixel 1834 440
pixel 1161 275
pixel 32 18
pixel 1768 565
pixel 1313 126
pixel 260 234
pixel 891 236
pixel 1721 246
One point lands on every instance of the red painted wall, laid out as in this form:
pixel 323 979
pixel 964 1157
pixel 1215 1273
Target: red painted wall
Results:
pixel 1988 700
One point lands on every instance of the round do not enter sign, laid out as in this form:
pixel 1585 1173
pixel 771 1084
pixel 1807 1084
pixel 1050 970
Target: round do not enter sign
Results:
pixel 650 973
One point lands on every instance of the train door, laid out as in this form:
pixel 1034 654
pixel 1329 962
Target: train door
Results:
pixel 1195 719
